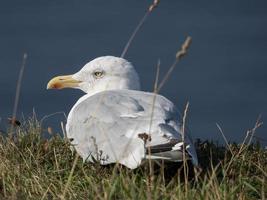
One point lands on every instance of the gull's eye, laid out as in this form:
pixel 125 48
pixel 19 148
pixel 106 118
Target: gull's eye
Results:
pixel 98 74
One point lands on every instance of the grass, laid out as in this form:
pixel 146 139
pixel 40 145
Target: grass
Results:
pixel 33 167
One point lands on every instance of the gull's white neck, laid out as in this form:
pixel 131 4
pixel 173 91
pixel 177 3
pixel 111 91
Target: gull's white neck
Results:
pixel 123 84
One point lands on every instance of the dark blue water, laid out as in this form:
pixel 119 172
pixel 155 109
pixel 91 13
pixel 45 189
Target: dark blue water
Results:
pixel 223 77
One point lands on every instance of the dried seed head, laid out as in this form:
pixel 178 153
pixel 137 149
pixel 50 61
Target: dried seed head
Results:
pixel 145 137
pixel 13 121
pixel 45 145
pixel 183 51
pixel 154 5
pixel 49 130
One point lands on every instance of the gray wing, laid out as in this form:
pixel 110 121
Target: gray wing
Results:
pixel 107 127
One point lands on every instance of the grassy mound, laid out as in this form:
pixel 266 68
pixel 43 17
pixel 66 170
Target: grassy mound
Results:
pixel 33 167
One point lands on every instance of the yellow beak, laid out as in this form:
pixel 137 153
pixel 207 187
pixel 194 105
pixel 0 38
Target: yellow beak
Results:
pixel 61 82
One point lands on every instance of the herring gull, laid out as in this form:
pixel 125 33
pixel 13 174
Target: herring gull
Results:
pixel 115 122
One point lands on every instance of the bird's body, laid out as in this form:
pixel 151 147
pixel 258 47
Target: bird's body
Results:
pixel 116 123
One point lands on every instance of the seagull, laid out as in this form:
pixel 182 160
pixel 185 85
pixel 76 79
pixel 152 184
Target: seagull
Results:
pixel 116 122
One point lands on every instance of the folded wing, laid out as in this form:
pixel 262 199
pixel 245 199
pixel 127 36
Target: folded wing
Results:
pixel 109 126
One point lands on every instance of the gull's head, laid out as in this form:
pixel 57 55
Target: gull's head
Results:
pixel 103 73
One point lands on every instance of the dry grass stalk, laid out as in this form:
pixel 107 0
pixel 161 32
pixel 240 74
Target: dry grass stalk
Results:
pixel 180 54
pixel 138 27
pixel 243 146
pixel 253 131
pixel 51 115
pixel 250 133
pixel 63 131
pixel 70 176
pixel 15 108
pixel 151 171
pixel 224 138
pixel 185 167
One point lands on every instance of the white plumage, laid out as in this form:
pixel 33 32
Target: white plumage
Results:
pixel 115 122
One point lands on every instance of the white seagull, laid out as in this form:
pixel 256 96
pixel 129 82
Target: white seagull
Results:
pixel 115 122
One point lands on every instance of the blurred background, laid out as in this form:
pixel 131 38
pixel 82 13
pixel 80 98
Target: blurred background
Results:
pixel 223 76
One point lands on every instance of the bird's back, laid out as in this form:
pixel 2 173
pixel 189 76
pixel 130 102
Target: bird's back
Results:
pixel 121 124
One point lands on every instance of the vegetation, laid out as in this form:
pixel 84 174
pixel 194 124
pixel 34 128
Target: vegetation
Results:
pixel 34 167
